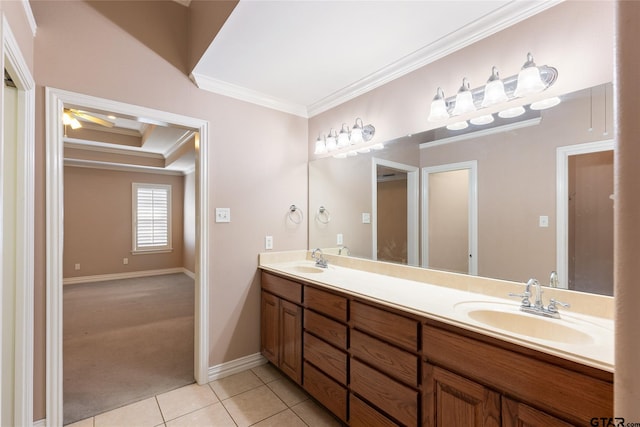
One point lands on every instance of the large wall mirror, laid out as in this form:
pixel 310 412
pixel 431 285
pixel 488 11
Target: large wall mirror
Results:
pixel 520 199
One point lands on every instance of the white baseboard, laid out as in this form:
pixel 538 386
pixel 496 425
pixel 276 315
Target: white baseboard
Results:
pixel 233 367
pixel 189 273
pixel 40 423
pixel 128 275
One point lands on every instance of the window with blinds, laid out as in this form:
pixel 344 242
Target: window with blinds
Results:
pixel 151 217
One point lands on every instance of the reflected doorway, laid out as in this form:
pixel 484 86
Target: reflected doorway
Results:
pixel 395 212
pixel 585 232
pixel 449 225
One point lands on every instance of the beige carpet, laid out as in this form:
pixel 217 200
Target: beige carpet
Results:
pixel 124 341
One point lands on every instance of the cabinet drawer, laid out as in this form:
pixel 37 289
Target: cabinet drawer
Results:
pixel 326 303
pixel 325 328
pixel 282 287
pixel 393 361
pixel 392 397
pixel 363 415
pixel 326 357
pixel 328 392
pixel 392 327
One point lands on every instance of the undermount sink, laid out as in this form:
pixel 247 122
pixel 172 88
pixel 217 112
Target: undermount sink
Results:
pixel 307 269
pixel 509 318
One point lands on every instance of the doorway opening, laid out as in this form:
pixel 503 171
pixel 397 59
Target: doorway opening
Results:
pixel 395 212
pixel 585 217
pixel 59 102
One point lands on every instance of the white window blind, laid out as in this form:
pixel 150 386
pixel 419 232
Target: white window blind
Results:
pixel 152 217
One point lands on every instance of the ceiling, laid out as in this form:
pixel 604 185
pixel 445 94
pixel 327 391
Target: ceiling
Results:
pixel 305 57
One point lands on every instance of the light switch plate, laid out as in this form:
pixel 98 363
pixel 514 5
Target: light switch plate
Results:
pixel 544 221
pixel 223 214
pixel 366 218
pixel 339 239
pixel 268 242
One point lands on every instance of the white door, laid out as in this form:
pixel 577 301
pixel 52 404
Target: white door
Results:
pixel 449 211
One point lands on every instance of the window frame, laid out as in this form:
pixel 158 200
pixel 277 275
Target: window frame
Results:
pixel 136 249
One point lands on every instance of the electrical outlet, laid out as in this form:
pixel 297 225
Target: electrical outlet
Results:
pixel 339 239
pixel 223 214
pixel 125 261
pixel 268 242
pixel 77 266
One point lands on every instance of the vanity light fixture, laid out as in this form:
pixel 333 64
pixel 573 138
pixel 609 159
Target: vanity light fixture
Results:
pixel 531 79
pixel 348 142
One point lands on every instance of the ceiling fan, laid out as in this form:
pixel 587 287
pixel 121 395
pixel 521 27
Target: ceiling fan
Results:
pixel 72 118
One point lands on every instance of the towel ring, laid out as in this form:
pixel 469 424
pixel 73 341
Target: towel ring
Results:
pixel 323 215
pixel 295 214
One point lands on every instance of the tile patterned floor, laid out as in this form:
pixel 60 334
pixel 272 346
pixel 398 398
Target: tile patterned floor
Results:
pixel 260 397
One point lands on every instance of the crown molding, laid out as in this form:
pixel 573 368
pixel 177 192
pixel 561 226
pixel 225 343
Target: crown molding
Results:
pixel 185 138
pixel 238 92
pixel 81 144
pixel 29 15
pixel 120 167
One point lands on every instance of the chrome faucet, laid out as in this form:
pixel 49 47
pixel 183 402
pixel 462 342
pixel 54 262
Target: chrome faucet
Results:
pixel 538 306
pixel 319 258
pixel 344 248
pixel 553 280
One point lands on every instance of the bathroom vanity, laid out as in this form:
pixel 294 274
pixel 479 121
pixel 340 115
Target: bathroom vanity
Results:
pixel 390 348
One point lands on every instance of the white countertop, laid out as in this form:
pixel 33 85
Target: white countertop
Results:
pixel 452 305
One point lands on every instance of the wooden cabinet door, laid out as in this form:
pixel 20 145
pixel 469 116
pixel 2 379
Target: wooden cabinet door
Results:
pixel 291 340
pixel 269 327
pixel 516 414
pixel 451 400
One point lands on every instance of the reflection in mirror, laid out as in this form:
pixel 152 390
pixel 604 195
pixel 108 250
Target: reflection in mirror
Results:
pixel 518 224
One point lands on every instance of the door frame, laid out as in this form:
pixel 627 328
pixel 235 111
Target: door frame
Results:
pixel 14 62
pixel 562 201
pixel 413 195
pixel 472 166
pixel 55 100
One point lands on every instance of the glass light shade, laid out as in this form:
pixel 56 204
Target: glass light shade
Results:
pixel 482 120
pixel 75 124
pixel 494 93
pixel 529 81
pixel 545 103
pixel 356 132
pixel 321 148
pixel 511 112
pixel 343 138
pixel 464 103
pixel 331 142
pixel 438 111
pixel 458 126
pixel 66 118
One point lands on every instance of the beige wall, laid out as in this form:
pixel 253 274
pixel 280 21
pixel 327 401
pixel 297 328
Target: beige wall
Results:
pixel 257 170
pixel 98 222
